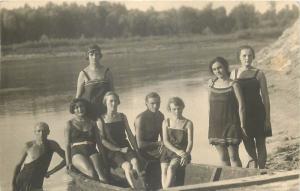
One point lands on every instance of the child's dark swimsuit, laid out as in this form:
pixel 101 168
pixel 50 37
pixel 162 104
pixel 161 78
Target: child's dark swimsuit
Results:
pixel 87 138
pixel 179 139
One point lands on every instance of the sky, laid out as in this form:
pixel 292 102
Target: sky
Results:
pixel 157 5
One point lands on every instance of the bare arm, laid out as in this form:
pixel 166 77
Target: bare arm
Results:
pixel 190 133
pixel 208 90
pixel 80 83
pixel 167 142
pixel 138 129
pixel 129 133
pixel 68 145
pixel 241 105
pixel 105 142
pixel 56 148
pixel 19 166
pixel 265 94
pixel 109 77
pixel 232 75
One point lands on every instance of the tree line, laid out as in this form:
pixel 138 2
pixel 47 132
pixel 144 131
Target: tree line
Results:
pixel 113 20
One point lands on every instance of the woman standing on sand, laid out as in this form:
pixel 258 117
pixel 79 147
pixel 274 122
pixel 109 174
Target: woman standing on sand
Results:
pixel 94 81
pixel 254 89
pixel 226 113
pixel 178 142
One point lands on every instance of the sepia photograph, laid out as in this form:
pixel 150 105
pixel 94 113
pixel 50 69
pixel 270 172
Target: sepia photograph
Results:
pixel 149 95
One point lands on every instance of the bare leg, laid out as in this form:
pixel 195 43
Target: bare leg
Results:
pixel 223 153
pixel 235 160
pixel 171 172
pixel 261 152
pixel 164 169
pixel 98 167
pixel 84 165
pixel 135 165
pixel 251 150
pixel 126 166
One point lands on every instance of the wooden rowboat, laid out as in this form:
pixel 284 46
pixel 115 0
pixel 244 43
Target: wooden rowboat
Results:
pixel 199 177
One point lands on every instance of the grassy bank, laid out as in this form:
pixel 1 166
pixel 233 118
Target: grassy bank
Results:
pixel 58 47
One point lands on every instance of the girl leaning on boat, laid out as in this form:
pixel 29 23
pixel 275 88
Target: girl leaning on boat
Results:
pixel 114 130
pixel 226 113
pixel 80 138
pixel 254 89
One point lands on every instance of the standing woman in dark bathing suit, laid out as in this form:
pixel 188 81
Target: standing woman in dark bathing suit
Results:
pixel 226 113
pixel 254 89
pixel 117 137
pixel 80 135
pixel 94 81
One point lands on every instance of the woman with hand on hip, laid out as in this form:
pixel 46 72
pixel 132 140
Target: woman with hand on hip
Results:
pixel 254 89
pixel 226 113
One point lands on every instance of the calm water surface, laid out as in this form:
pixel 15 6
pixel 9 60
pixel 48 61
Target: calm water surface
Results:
pixel 35 91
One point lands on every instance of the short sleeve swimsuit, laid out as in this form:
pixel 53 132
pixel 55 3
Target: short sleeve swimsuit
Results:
pixel 94 91
pixel 255 110
pixel 224 123
pixel 114 132
pixel 179 139
pixel 77 136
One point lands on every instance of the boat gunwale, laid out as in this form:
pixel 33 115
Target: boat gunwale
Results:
pixel 271 176
pixel 86 180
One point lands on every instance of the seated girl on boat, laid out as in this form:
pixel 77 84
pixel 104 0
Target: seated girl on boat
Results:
pixel 80 138
pixel 226 113
pixel 114 128
pixel 178 141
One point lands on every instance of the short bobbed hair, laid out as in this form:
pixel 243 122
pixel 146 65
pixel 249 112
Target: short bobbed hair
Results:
pixel 109 93
pixel 222 61
pixel 176 101
pixel 94 48
pixel 152 95
pixel 77 100
pixel 245 47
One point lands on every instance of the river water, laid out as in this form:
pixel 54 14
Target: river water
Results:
pixel 34 90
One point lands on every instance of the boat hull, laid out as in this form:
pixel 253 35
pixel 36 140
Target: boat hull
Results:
pixel 192 174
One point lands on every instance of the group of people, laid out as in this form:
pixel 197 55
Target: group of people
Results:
pixel 99 138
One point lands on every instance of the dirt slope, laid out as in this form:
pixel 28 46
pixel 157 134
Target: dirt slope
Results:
pixel 280 61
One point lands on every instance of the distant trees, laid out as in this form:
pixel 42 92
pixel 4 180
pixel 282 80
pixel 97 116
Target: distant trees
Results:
pixel 244 16
pixel 110 20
